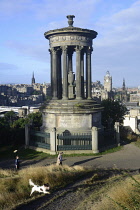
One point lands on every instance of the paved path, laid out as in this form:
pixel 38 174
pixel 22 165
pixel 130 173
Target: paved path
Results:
pixel 127 158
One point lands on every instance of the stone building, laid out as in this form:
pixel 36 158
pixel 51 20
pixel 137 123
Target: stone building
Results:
pixel 72 118
pixel 124 92
pixel 108 82
pixel 33 80
pixel 97 89
pixel 132 119
pixel 71 108
pixel 107 92
pixel 135 97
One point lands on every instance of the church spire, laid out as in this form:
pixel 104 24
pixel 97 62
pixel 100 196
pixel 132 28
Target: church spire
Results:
pixel 33 79
pixel 123 87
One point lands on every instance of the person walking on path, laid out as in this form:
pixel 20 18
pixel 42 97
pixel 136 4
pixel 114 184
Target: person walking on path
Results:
pixel 59 159
pixel 17 163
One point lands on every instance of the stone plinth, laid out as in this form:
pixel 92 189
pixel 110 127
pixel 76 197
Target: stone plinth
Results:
pixel 71 115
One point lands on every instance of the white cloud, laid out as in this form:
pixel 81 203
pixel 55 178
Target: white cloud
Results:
pixel 117 45
pixel 12 8
pixel 7 67
pixel 37 51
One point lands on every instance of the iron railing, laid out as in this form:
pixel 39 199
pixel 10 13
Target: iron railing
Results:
pixel 40 139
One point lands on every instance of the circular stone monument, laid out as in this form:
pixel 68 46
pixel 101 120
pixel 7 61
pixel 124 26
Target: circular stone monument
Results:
pixel 72 107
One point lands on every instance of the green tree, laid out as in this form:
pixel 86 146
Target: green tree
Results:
pixel 10 117
pixel 35 119
pixel 12 129
pixel 19 123
pixel 113 112
pixel 4 123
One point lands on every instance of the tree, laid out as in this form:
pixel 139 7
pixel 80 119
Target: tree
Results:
pixel 35 119
pixel 4 123
pixel 20 123
pixel 10 117
pixel 113 112
pixel 12 130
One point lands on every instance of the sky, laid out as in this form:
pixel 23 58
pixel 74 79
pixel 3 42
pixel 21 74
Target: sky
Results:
pixel 24 49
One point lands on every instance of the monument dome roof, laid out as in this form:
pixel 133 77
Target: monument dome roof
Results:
pixel 71 29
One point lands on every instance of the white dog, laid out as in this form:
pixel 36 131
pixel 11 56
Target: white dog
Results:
pixel 40 189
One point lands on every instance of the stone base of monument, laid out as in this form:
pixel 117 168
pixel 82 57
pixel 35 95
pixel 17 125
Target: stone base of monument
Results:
pixel 72 115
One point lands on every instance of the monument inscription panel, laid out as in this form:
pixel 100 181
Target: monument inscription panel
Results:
pixel 73 121
pixel 71 40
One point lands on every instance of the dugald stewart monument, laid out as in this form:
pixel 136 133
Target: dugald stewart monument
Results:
pixel 71 108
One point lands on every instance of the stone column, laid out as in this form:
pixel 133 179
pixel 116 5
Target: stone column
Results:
pixel 70 53
pixel 117 129
pixel 53 141
pixel 95 140
pixel 82 75
pixel 65 73
pixel 59 78
pixel 88 72
pixel 54 74
pixel 78 73
pixel 50 50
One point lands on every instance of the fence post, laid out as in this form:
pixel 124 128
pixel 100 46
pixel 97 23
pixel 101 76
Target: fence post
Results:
pixel 117 129
pixel 53 141
pixel 95 140
pixel 27 135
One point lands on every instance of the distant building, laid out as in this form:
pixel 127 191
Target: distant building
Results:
pixel 132 119
pixel 124 92
pixel 33 79
pixel 108 82
pixel 107 92
pixel 23 94
pixel 135 97
pixel 97 88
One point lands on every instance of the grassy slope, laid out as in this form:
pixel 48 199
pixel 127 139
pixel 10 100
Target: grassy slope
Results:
pixel 98 195
pixel 115 193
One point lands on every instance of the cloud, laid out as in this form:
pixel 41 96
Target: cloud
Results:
pixel 122 26
pixel 7 67
pixel 117 23
pixel 13 8
pixel 57 9
pixel 38 51
pixel 51 10
pixel 117 44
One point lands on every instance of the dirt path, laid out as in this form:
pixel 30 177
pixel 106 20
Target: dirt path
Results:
pixel 127 158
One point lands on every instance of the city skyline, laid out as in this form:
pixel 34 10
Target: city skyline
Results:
pixel 24 49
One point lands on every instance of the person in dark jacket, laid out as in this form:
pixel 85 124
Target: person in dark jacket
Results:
pixel 17 163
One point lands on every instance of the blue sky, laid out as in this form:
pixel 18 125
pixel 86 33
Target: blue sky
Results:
pixel 23 48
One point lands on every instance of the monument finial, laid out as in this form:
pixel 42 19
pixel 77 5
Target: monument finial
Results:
pixel 70 20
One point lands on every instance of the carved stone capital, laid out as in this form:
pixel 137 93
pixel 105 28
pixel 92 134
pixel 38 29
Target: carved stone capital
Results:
pixel 54 50
pixel 89 50
pixel 79 48
pixel 64 48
